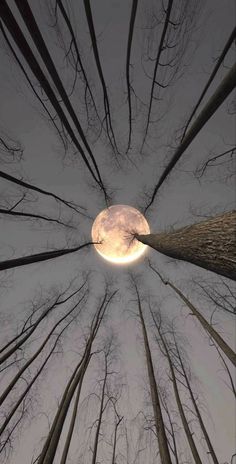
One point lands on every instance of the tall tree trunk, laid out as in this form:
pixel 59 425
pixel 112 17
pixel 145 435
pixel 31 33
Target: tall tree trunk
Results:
pixel 30 330
pixel 221 93
pixel 29 386
pixel 101 411
pixel 172 432
pixel 128 53
pixel 72 422
pixel 231 355
pixel 38 257
pixel 209 244
pixel 187 430
pixel 202 425
pixel 159 423
pixel 36 354
pixel 50 447
pixel 113 461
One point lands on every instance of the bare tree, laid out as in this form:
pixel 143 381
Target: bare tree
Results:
pixel 196 408
pixel 219 96
pixel 49 450
pixel 20 372
pixel 219 293
pixel 12 150
pixel 23 395
pixel 231 355
pixel 219 62
pixel 107 117
pixel 159 423
pixel 29 186
pixel 209 244
pixel 73 56
pixel 12 213
pixel 30 325
pixel 179 365
pixel 128 53
pixel 24 260
pixel 15 31
pixel 172 424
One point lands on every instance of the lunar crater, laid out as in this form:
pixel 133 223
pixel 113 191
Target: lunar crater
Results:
pixel 113 228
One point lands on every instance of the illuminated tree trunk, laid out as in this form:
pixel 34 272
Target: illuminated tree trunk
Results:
pixel 159 422
pixel 209 244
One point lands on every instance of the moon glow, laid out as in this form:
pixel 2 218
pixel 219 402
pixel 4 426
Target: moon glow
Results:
pixel 113 227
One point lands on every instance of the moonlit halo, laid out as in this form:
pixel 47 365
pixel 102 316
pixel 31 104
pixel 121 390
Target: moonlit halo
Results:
pixel 113 227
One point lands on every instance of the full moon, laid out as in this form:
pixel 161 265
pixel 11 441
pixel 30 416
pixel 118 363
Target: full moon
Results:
pixel 113 227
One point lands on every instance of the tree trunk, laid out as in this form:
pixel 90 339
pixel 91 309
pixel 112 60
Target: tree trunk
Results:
pixel 113 461
pixel 202 425
pixel 38 257
pixel 30 330
pixel 50 447
pixel 231 355
pixel 221 93
pixel 25 392
pixel 209 244
pixel 187 430
pixel 72 422
pixel 36 354
pixel 159 423
pixel 101 411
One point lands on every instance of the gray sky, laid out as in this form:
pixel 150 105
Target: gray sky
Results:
pixel 45 165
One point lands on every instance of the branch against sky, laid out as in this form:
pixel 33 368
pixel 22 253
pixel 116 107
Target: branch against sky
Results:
pixel 231 355
pixel 227 85
pixel 31 324
pixel 38 257
pixel 49 344
pixel 29 186
pixel 16 32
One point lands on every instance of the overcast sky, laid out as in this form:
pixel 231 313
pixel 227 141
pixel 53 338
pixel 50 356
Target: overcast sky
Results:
pixel 181 198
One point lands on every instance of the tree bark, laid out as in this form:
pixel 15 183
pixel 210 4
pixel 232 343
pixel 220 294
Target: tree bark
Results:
pixel 209 244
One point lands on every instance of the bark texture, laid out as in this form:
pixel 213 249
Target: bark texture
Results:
pixel 209 244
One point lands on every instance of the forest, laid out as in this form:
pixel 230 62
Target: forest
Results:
pixel 115 105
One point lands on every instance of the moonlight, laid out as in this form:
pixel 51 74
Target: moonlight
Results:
pixel 113 228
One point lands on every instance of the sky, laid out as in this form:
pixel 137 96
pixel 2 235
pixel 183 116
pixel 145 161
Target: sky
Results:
pixel 183 199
